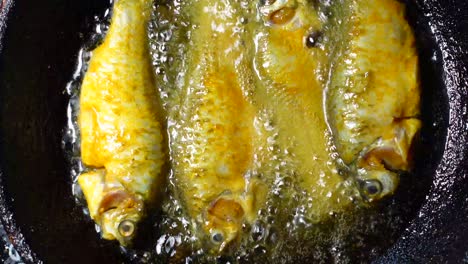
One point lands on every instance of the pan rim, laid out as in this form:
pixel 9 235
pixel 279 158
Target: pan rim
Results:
pixel 453 167
pixel 454 73
pixel 18 249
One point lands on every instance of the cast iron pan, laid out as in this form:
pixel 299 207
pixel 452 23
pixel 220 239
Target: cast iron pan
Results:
pixel 40 220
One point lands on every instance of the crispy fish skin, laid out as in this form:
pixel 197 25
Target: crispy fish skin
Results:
pixel 120 125
pixel 212 140
pixel 373 99
pixel 291 88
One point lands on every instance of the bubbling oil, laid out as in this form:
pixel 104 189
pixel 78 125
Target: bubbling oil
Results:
pixel 285 230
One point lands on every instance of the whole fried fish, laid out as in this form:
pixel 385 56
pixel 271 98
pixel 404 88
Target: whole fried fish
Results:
pixel 292 74
pixel 373 98
pixel 213 136
pixel 120 123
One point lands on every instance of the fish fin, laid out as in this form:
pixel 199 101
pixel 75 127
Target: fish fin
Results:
pixel 393 150
pixel 254 199
pixel 92 185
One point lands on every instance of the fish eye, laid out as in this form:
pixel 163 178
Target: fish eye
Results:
pixel 313 39
pixel 267 2
pixel 371 188
pixel 126 228
pixel 217 237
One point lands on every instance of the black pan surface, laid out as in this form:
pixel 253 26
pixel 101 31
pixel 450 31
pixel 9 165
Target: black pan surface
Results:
pixel 39 219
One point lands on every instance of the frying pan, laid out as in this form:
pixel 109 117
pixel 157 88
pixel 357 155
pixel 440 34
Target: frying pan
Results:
pixel 39 218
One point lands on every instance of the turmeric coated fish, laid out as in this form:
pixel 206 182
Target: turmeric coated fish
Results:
pixel 265 92
pixel 213 136
pixel 120 124
pixel 373 98
pixel 292 80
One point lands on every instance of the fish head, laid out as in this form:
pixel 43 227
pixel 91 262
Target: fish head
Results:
pixel 119 213
pixel 377 184
pixel 380 165
pixel 223 223
pixel 374 177
pixel 288 43
pixel 116 211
